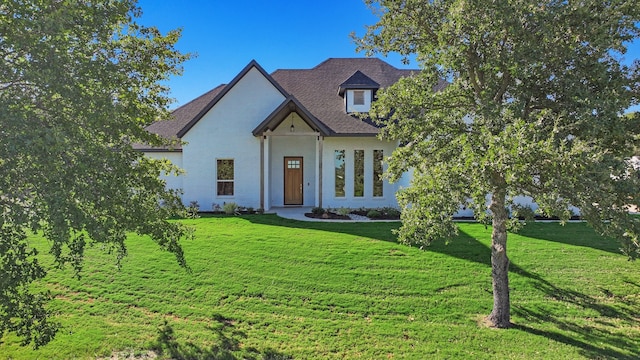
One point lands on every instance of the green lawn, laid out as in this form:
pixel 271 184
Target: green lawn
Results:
pixel 266 287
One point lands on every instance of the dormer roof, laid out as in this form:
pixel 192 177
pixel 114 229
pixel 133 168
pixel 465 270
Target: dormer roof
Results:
pixel 357 81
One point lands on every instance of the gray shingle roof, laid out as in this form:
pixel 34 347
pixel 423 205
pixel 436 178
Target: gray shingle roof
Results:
pixel 181 117
pixel 316 89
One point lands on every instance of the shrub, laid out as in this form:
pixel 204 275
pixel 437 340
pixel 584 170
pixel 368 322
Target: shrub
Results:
pixel 260 211
pixel 216 207
pixel 392 212
pixel 317 210
pixel 230 208
pixel 373 214
pixel 344 211
pixel 193 209
pixel 250 210
pixel 522 212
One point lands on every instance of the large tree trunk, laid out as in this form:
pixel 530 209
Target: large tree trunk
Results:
pixel 500 316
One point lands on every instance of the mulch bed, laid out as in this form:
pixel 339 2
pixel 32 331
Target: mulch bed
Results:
pixel 327 216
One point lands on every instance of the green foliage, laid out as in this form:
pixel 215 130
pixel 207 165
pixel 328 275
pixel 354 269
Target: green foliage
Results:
pixel 230 208
pixel 79 81
pixel 391 212
pixel 353 292
pixel 514 98
pixel 373 214
pixel 533 106
pixel 317 210
pixel 193 210
pixel 344 211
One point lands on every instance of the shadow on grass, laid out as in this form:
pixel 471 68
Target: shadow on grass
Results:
pixel 468 248
pixel 581 235
pixel 375 230
pixel 473 250
pixel 227 344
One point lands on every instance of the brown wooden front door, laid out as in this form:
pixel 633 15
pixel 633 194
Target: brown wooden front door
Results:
pixel 293 181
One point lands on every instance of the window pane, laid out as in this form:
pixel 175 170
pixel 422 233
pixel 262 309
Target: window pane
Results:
pixel 225 188
pixel 225 169
pixel 340 172
pixel 293 164
pixel 225 176
pixel 358 97
pixel 377 172
pixel 358 173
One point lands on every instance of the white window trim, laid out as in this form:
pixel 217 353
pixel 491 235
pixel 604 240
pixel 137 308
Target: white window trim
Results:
pixel 226 181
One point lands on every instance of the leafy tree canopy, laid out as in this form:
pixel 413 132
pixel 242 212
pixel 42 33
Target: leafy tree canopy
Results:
pixel 532 106
pixel 79 81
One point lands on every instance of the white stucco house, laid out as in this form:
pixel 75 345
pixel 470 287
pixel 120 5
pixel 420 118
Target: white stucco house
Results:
pixel 289 138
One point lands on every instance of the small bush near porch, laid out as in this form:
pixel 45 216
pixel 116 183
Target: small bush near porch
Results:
pixel 265 287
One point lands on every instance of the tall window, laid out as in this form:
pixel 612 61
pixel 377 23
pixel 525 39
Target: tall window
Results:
pixel 338 162
pixel 358 173
pixel 225 177
pixel 358 97
pixel 378 157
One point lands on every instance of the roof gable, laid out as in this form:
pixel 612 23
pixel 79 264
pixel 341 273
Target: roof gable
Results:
pixel 290 105
pixel 214 101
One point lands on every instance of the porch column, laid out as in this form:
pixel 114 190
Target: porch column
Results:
pixel 262 171
pixel 266 171
pixel 319 146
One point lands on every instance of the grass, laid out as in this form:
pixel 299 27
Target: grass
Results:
pixel 263 287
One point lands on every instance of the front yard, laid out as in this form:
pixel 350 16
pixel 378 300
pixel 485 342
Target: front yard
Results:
pixel 262 287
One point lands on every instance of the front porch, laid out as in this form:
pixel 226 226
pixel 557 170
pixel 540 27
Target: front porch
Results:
pixel 291 165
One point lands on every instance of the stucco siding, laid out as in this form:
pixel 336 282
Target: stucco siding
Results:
pixel 172 180
pixel 225 133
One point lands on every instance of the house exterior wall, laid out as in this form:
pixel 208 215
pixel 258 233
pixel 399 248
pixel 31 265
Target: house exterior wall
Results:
pixel 225 133
pixel 172 181
pixel 349 144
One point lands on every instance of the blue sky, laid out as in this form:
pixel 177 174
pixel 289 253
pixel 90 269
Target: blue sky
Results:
pixel 279 34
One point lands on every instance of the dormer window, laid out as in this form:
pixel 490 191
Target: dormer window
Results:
pixel 358 97
pixel 358 100
pixel 357 92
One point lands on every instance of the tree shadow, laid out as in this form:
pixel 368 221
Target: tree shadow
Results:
pixel 375 230
pixel 227 345
pixel 581 235
pixel 468 248
pixel 625 310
